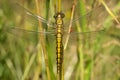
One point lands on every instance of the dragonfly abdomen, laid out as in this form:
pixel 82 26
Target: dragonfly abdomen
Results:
pixel 59 51
pixel 59 46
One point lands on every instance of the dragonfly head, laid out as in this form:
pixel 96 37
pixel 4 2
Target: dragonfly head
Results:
pixel 59 15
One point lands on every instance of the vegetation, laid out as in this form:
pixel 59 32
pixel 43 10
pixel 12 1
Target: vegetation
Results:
pixel 92 53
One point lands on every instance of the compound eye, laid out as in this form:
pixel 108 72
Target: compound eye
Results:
pixel 55 16
pixel 62 15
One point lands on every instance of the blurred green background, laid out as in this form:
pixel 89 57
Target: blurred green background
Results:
pixel 97 57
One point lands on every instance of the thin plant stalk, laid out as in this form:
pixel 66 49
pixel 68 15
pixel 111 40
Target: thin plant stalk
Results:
pixel 28 67
pixel 80 68
pixel 70 25
pixel 41 38
pixel 80 45
pixel 109 11
pixel 59 5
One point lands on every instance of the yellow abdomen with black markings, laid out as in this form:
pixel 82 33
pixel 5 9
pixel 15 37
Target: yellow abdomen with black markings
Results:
pixel 59 44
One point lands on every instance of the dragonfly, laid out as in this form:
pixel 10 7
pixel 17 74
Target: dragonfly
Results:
pixel 59 29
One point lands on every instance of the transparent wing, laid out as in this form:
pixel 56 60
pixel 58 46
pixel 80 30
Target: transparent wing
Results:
pixel 87 24
pixel 75 38
pixel 29 16
pixel 27 24
pixel 30 35
pixel 91 17
pixel 91 21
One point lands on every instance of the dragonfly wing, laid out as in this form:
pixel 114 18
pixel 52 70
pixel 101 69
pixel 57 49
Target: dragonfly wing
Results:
pixel 91 21
pixel 74 38
pixel 27 23
pixel 93 18
pixel 29 16
pixel 31 31
pixel 29 35
pixel 87 25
